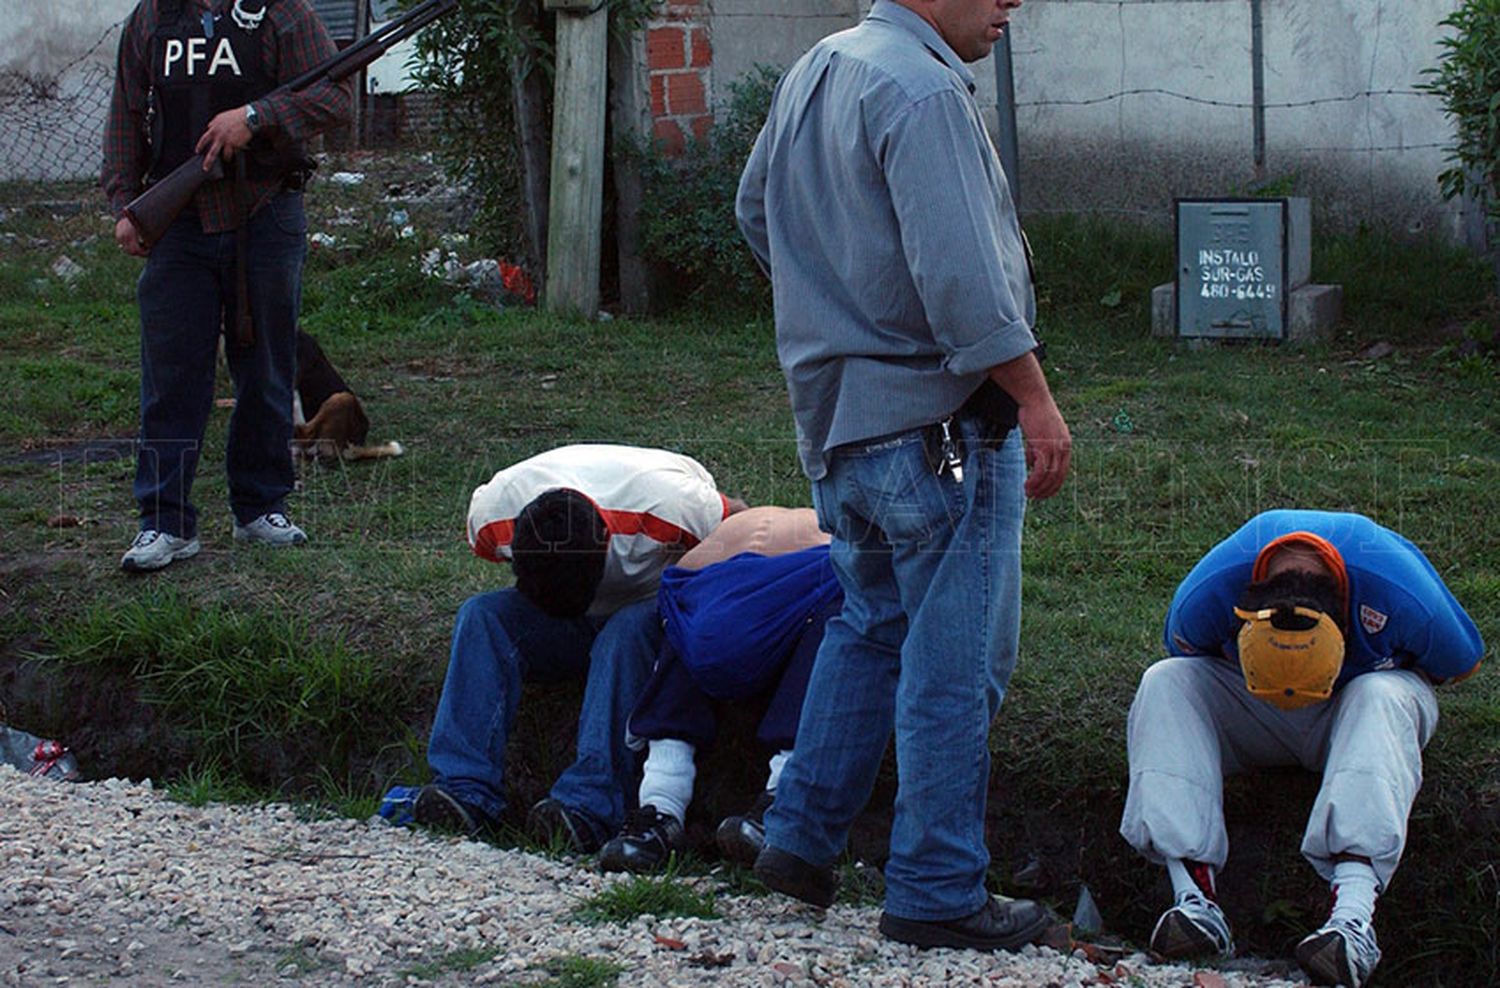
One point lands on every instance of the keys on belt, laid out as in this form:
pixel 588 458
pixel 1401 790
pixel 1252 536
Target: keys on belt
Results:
pixel 951 461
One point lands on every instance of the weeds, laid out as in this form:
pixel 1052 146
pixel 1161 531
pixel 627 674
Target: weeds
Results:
pixel 236 680
pixel 466 959
pixel 577 971
pixel 655 895
pixel 208 783
pixel 860 884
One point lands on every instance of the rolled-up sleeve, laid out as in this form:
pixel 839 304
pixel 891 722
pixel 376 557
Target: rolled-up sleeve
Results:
pixel 943 187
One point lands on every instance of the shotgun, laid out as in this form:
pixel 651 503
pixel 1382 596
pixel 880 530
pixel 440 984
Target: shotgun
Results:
pixel 153 210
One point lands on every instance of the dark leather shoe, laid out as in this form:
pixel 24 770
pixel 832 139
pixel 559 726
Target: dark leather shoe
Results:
pixel 644 844
pixel 560 825
pixel 1000 924
pixel 438 809
pixel 784 872
pixel 741 838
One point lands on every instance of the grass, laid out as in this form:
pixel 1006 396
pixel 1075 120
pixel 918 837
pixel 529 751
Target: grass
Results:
pixel 314 673
pixel 642 895
pixel 577 971
pixel 207 783
pixel 237 681
pixel 466 959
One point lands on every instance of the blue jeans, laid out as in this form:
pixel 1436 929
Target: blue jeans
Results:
pixel 187 295
pixel 925 646
pixel 501 640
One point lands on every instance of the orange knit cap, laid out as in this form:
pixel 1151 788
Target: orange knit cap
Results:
pixel 1326 553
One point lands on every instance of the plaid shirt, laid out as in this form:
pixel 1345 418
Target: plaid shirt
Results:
pixel 295 40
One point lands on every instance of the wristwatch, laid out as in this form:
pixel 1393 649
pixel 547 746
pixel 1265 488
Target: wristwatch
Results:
pixel 252 119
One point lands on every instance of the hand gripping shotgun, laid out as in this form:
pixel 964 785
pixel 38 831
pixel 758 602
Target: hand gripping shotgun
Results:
pixel 153 210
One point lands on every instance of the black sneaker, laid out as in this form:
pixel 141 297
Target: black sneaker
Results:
pixel 742 838
pixel 644 844
pixel 784 872
pixel 1000 924
pixel 438 809
pixel 554 823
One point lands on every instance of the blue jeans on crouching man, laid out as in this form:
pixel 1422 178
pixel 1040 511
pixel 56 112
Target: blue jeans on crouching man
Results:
pixel 187 294
pixel 500 640
pixel 924 647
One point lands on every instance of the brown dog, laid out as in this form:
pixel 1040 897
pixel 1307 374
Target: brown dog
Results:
pixel 338 427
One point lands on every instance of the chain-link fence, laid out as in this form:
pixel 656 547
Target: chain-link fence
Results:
pixel 54 98
pixel 51 118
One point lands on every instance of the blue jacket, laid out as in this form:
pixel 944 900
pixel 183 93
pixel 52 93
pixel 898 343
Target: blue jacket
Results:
pixel 1401 616
pixel 734 623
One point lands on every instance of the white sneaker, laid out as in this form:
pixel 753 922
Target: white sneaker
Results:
pixel 273 528
pixel 152 550
pixel 1194 927
pixel 1341 952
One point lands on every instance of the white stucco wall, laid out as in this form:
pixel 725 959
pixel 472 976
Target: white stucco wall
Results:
pixel 56 62
pixel 1362 154
pixel 747 33
pixel 1100 87
pixel 1104 125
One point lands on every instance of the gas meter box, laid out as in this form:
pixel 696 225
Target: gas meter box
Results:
pixel 1238 261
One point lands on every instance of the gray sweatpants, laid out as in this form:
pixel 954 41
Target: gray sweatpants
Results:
pixel 1193 721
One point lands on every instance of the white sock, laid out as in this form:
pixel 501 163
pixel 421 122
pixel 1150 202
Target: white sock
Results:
pixel 667 779
pixel 1354 890
pixel 1183 881
pixel 778 762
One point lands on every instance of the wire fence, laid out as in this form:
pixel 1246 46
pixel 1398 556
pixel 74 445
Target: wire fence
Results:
pixel 51 123
pixel 52 120
pixel 1388 110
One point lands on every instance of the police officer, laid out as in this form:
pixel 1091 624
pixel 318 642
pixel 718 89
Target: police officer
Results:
pixel 198 77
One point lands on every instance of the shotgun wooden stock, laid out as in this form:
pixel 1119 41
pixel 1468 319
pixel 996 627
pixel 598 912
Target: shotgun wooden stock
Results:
pixel 153 211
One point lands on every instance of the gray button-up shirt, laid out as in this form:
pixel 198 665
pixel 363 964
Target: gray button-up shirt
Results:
pixel 875 201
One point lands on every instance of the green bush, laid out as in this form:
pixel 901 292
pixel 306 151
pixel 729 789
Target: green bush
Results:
pixel 1467 80
pixel 687 213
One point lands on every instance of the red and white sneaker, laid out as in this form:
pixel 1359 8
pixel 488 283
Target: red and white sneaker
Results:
pixel 1195 926
pixel 1341 952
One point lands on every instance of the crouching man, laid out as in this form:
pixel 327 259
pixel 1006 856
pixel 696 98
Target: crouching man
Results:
pixel 743 615
pixel 1306 638
pixel 587 530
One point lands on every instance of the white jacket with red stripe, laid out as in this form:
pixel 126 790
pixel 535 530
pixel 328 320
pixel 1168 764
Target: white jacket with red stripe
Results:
pixel 655 504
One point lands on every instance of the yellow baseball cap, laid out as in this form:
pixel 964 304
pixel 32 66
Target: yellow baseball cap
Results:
pixel 1290 668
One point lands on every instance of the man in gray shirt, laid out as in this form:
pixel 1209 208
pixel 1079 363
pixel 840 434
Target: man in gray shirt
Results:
pixel 904 308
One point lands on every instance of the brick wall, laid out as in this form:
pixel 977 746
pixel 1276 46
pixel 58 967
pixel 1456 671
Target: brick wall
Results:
pixel 401 120
pixel 679 65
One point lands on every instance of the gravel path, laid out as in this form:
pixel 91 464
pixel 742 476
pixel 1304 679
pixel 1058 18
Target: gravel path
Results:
pixel 111 882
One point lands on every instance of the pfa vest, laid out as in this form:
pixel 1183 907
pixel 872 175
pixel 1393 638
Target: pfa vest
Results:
pixel 201 64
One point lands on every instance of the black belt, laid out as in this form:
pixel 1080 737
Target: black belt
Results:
pixel 994 414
